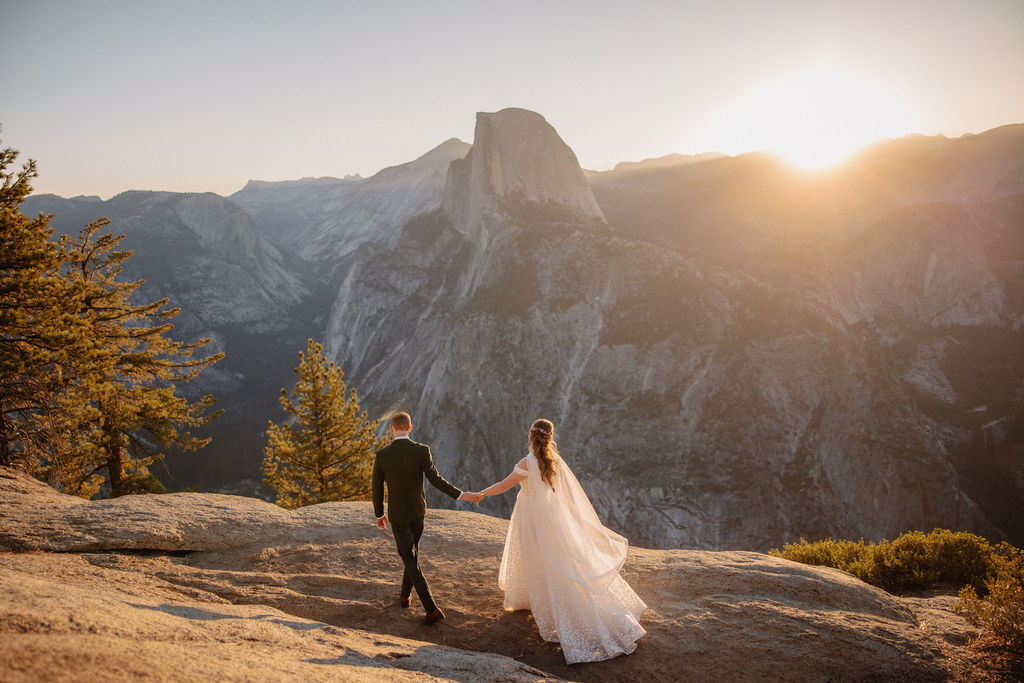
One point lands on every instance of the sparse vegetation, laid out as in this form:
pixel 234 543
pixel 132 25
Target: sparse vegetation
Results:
pixel 992 576
pixel 44 343
pixel 324 452
pixel 87 375
pixel 138 410
pixel 1000 612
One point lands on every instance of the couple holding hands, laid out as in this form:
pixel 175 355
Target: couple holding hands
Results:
pixel 559 561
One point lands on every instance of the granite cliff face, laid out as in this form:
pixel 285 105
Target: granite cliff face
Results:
pixel 517 165
pixel 201 248
pixel 765 388
pixel 914 253
pixel 325 219
pixel 735 353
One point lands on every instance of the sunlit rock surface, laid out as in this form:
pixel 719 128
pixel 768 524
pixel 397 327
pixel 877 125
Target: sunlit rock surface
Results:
pixel 199 586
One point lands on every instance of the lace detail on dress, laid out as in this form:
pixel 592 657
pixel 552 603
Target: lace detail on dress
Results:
pixel 563 565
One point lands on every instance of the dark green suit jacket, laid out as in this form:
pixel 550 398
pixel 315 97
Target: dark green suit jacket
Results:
pixel 402 464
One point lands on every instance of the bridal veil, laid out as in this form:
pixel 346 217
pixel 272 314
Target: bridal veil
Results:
pixel 561 563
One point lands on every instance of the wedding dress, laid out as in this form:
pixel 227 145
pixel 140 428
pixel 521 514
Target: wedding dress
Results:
pixel 563 565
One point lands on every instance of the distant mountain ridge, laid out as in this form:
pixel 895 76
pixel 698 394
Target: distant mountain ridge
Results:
pixel 251 298
pixel 735 353
pixel 325 219
pixel 667 161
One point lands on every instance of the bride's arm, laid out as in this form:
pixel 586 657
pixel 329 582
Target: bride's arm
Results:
pixel 506 483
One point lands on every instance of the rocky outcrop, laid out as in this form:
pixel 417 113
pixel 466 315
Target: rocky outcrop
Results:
pixel 73 618
pixel 517 168
pixel 311 594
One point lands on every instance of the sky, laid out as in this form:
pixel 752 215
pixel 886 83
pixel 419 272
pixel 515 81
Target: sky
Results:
pixel 202 96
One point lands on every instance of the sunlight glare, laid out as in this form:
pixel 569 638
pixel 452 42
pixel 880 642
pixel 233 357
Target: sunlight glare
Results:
pixel 815 118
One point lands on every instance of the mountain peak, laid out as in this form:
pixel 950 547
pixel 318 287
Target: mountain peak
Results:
pixel 516 158
pixel 451 144
pixel 434 161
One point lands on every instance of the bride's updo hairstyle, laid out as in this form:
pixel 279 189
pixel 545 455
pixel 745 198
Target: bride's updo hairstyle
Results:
pixel 542 443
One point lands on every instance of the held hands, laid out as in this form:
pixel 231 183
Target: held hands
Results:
pixel 469 496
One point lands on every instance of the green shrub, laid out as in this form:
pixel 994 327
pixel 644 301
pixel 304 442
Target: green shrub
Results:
pixel 992 577
pixel 827 553
pixel 916 560
pixel 1001 612
pixel 913 561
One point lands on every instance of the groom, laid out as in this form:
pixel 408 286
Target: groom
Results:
pixel 402 465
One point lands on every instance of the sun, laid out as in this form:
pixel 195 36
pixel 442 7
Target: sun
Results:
pixel 816 117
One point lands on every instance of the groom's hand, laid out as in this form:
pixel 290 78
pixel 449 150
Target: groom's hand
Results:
pixel 470 497
pixel 382 522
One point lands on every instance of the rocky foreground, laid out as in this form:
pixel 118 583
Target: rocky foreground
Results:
pixel 196 586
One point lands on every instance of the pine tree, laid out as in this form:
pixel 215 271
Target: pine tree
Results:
pixel 87 378
pixel 45 345
pixel 326 451
pixel 139 412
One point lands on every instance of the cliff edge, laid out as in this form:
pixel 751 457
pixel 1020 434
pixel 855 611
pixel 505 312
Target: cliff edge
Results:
pixel 188 586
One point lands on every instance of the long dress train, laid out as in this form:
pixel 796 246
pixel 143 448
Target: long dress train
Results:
pixel 563 565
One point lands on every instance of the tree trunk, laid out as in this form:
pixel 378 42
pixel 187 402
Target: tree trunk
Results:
pixel 6 457
pixel 115 470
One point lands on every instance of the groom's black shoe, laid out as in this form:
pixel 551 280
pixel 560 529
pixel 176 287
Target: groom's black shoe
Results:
pixel 404 601
pixel 433 617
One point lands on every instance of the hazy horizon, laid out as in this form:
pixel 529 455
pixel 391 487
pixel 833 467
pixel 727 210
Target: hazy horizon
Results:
pixel 839 165
pixel 114 96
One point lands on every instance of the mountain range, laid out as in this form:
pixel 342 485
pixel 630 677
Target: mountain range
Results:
pixel 735 353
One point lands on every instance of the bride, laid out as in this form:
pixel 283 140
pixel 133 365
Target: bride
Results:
pixel 561 563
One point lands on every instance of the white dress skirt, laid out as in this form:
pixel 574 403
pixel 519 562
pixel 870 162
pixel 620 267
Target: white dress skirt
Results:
pixel 563 565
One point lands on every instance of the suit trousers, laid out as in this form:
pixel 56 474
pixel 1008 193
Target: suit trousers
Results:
pixel 407 538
